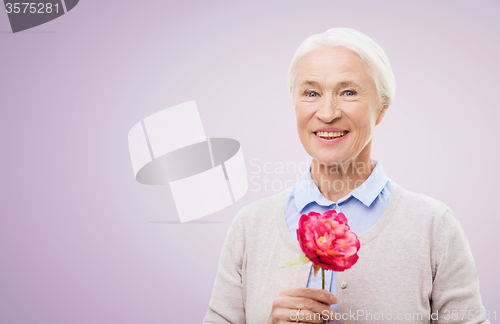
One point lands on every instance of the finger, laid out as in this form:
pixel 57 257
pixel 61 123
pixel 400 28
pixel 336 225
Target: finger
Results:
pixel 306 304
pixel 321 295
pixel 306 316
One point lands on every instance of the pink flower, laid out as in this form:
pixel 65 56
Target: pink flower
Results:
pixel 327 240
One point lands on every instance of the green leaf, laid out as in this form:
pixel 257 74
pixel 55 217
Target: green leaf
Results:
pixel 316 268
pixel 300 261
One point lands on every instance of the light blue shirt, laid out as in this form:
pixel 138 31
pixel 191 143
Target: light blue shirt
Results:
pixel 362 207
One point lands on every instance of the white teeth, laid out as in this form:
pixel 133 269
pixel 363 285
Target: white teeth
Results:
pixel 331 134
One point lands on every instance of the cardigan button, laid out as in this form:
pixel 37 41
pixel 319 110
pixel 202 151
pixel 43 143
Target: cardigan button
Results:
pixel 343 285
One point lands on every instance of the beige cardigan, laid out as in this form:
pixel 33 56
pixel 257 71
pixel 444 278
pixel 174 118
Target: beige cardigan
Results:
pixel 414 262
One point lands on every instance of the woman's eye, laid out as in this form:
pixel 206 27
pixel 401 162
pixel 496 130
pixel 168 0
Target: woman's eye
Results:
pixel 311 94
pixel 349 93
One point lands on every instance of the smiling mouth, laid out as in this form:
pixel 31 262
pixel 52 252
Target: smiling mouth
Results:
pixel 331 135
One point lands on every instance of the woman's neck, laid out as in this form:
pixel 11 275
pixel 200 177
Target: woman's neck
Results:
pixel 338 180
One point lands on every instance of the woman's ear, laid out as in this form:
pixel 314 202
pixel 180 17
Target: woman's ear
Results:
pixel 382 112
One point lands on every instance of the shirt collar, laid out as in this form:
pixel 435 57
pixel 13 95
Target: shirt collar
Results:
pixel 306 191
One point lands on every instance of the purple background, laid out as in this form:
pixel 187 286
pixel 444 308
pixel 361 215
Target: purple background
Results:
pixel 82 242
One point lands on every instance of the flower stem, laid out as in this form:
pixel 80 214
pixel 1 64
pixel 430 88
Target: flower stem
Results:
pixel 323 286
pixel 322 278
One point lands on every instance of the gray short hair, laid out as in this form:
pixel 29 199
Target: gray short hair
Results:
pixel 369 52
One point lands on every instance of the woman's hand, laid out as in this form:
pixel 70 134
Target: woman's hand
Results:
pixel 308 300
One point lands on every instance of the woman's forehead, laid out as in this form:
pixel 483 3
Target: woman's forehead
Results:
pixel 332 66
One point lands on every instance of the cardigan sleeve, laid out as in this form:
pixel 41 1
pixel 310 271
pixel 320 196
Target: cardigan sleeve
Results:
pixel 455 293
pixel 226 304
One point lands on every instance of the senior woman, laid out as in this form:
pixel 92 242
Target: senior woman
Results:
pixel 415 264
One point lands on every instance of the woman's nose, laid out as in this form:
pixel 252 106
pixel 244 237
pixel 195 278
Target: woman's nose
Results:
pixel 329 110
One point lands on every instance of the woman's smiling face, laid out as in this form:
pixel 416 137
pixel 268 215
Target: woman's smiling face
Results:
pixel 333 89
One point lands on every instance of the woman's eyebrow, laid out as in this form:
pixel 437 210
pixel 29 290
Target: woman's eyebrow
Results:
pixel 311 83
pixel 342 83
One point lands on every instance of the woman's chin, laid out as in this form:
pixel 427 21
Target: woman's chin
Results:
pixel 328 161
